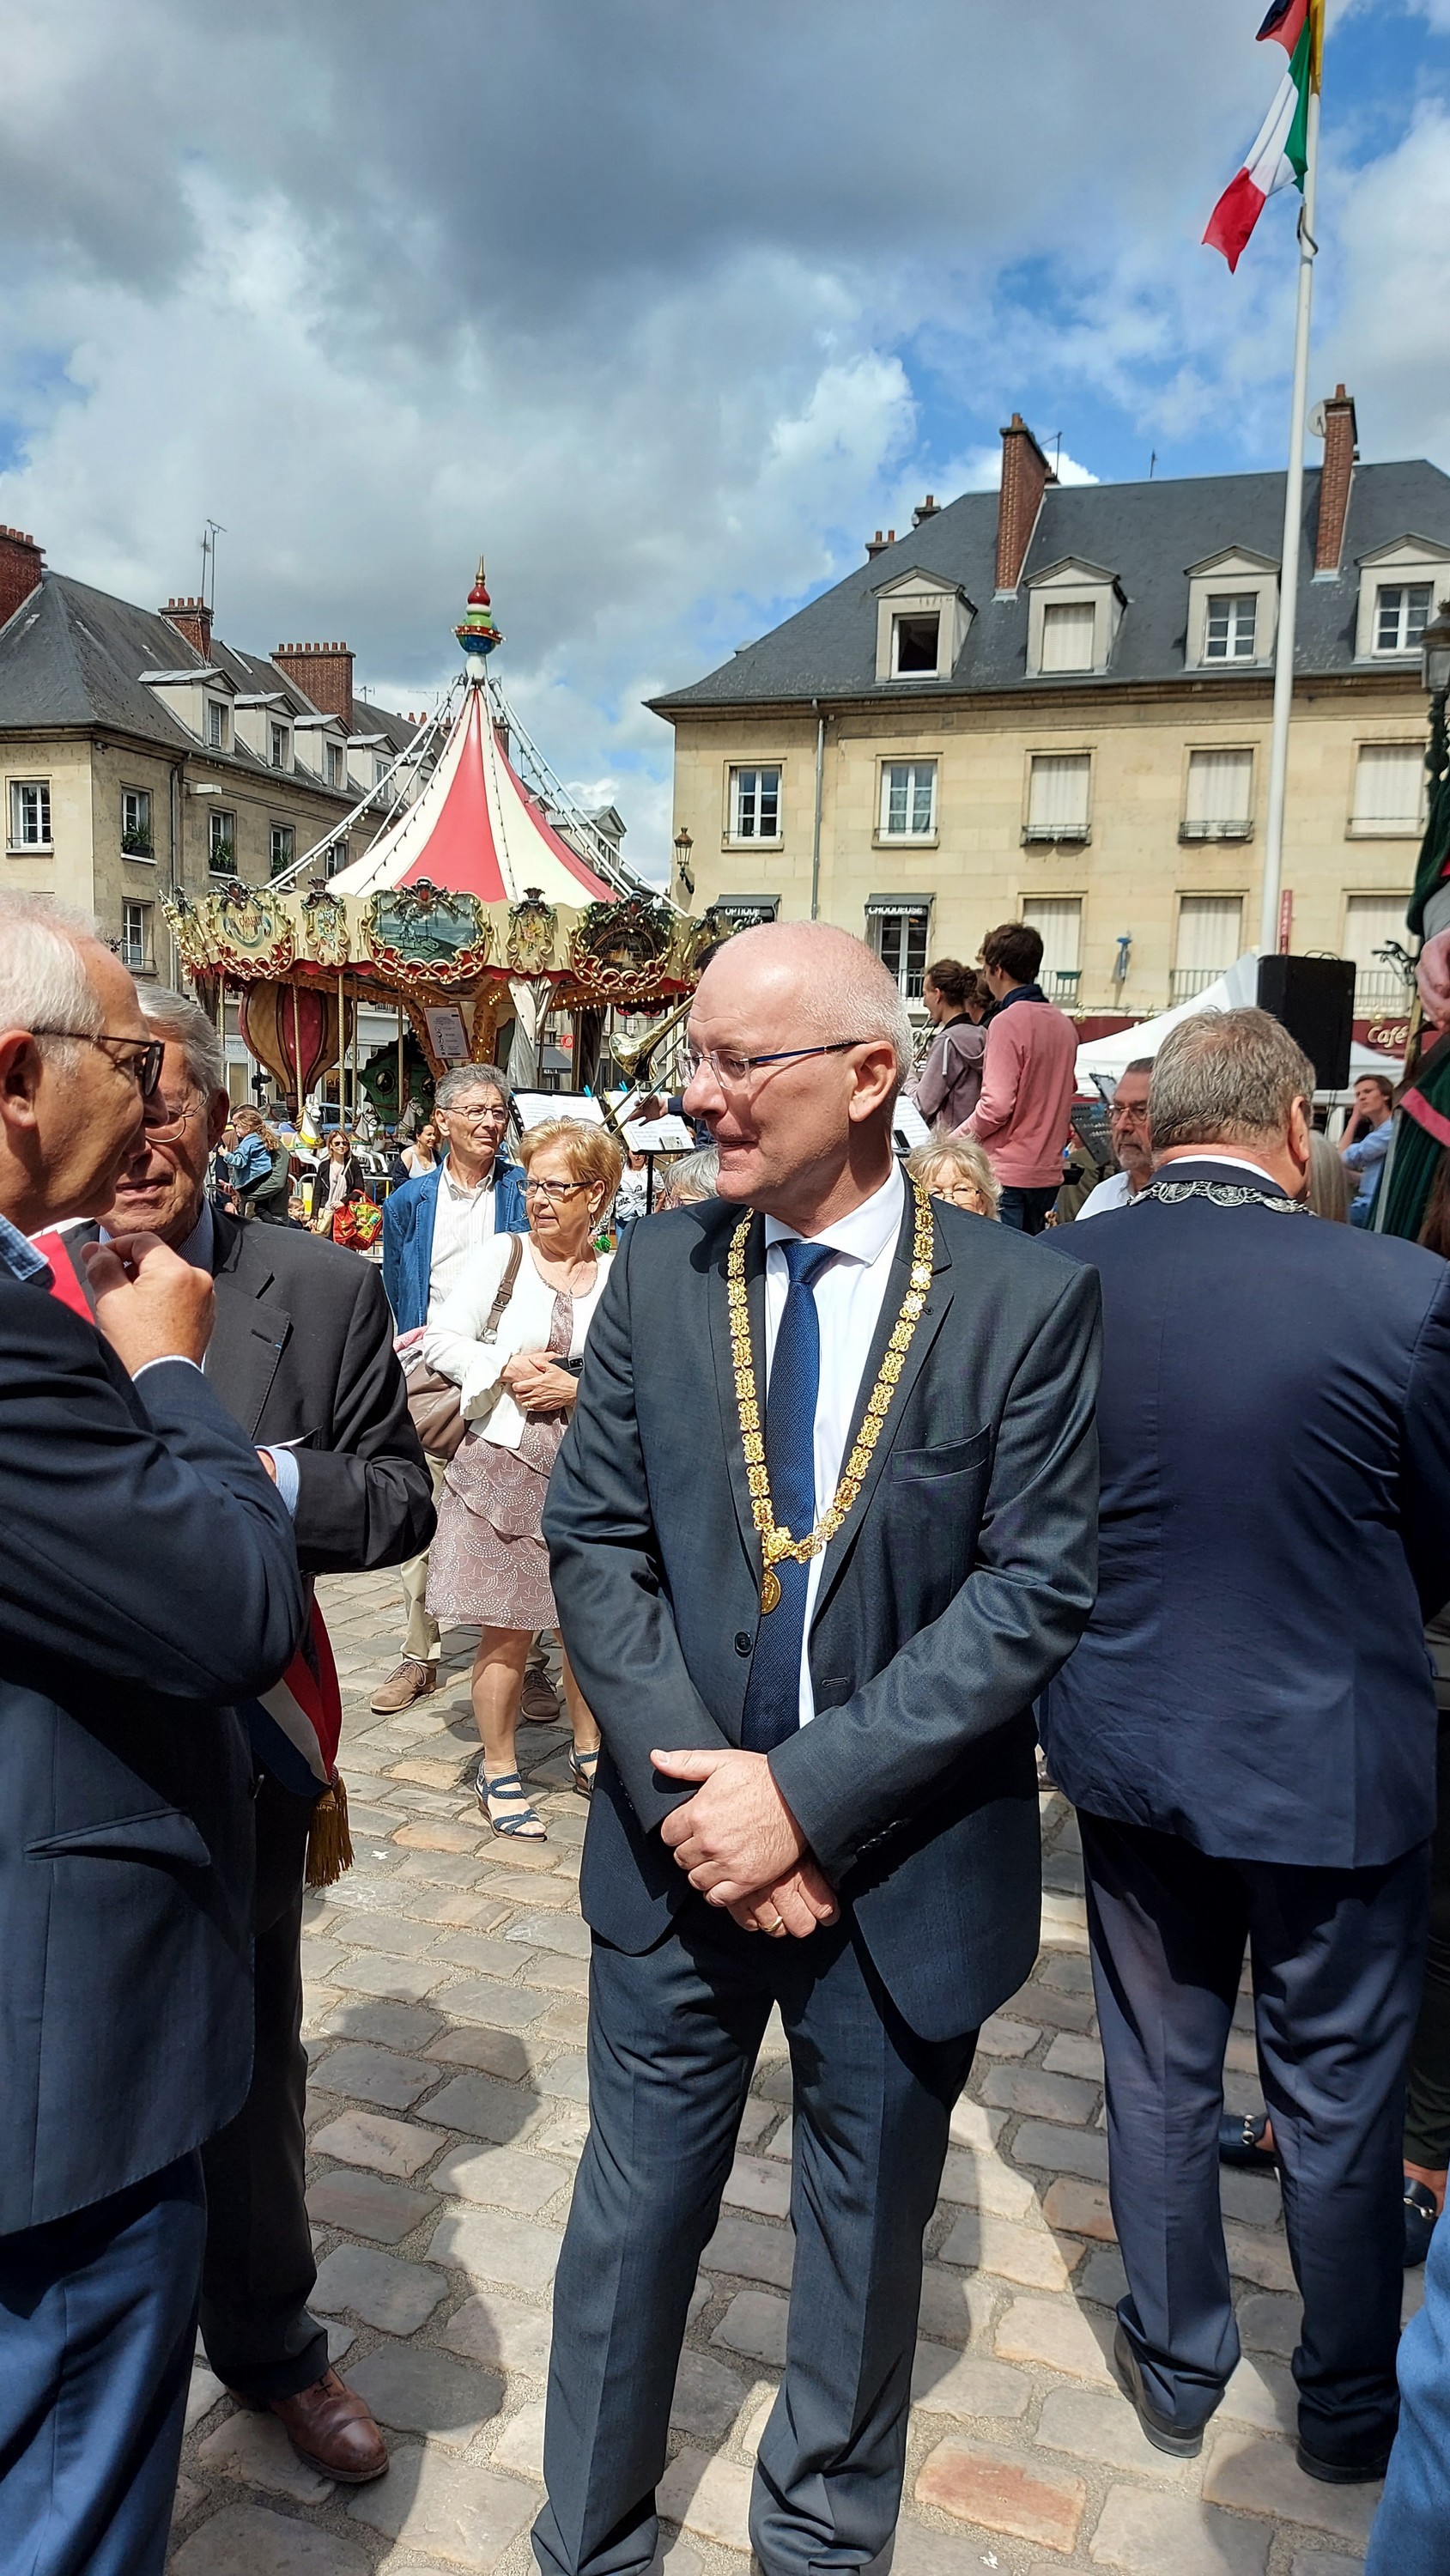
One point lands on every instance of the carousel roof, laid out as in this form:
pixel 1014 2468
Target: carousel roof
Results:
pixel 474 828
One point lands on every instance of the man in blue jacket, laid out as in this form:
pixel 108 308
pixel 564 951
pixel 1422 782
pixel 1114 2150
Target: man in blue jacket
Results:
pixel 148 1579
pixel 430 1226
pixel 1250 1765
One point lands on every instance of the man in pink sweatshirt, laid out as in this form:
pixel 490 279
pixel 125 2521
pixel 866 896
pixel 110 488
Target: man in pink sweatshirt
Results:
pixel 1027 1079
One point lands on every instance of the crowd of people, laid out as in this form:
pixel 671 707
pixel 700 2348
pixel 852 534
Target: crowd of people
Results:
pixel 839 1501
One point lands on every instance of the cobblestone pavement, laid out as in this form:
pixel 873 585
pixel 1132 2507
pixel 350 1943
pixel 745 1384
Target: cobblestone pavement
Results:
pixel 445 2015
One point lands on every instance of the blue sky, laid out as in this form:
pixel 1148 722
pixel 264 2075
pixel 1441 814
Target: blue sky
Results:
pixel 663 308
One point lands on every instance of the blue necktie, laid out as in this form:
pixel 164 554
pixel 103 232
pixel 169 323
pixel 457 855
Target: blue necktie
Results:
pixel 772 1695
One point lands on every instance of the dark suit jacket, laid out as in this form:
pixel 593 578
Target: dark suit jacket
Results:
pixel 1275 1428
pixel 147 1579
pixel 957 1585
pixel 302 1352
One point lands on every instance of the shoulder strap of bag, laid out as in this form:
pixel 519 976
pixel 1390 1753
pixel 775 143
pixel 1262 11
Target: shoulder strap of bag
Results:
pixel 505 1288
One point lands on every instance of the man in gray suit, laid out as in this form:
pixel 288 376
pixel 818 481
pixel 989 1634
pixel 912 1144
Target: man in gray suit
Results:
pixel 821 1530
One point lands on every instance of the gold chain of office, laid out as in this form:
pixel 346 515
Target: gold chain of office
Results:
pixel 777 1544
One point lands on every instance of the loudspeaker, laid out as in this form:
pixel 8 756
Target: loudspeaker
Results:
pixel 1314 998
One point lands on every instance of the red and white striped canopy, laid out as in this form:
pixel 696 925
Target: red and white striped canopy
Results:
pixel 475 829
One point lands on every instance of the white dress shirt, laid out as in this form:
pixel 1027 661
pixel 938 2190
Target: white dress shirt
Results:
pixel 453 1343
pixel 848 1294
pixel 1104 1196
pixel 462 1220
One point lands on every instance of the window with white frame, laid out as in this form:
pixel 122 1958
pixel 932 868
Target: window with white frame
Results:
pixel 222 844
pixel 218 725
pixel 284 847
pixel 136 823
pixel 1401 614
pixel 336 859
pixel 1229 627
pixel 382 763
pixel 1389 787
pixel 915 646
pixel 335 764
pixel 1210 929
pixel 279 746
pixel 135 947
pixel 898 935
pixel 1218 803
pixel 1057 919
pixel 1371 923
pixel 1059 784
pixel 1068 634
pixel 908 800
pixel 30 813
pixel 755 804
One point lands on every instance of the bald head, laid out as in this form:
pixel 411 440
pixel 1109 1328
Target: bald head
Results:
pixel 830 981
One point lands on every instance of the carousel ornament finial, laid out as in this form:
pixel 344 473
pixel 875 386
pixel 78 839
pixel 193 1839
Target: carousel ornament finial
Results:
pixel 476 631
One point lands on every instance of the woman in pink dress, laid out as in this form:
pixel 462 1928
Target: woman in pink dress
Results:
pixel 511 1337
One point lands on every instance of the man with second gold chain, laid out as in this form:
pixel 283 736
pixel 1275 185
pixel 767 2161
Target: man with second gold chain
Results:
pixel 822 1529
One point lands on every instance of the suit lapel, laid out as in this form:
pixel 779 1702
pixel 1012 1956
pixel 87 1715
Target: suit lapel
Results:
pixel 929 1324
pixel 252 1325
pixel 725 1373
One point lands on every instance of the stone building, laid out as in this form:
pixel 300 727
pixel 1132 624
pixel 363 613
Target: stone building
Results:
pixel 140 756
pixel 1054 702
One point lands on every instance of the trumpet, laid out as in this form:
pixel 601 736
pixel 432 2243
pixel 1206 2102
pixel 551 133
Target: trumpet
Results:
pixel 632 1055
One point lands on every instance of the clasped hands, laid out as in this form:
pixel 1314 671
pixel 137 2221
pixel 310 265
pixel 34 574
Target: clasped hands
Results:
pixel 741 1847
pixel 537 1383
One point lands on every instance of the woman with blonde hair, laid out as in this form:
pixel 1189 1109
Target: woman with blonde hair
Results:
pixel 957 1169
pixel 511 1336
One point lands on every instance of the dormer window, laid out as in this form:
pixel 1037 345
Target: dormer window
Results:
pixel 915 645
pixel 1073 615
pixel 922 622
pixel 334 764
pixel 1402 613
pixel 279 746
pixel 1229 628
pixel 218 725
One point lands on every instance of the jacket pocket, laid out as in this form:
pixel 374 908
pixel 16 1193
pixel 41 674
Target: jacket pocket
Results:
pixel 952 1458
pixel 163 1834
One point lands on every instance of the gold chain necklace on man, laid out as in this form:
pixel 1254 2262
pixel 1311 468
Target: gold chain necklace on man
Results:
pixel 776 1543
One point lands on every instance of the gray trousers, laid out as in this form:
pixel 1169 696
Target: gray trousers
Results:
pixel 673 2039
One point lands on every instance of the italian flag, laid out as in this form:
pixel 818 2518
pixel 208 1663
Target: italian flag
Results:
pixel 1278 156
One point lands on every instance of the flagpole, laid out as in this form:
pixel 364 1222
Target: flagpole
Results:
pixel 1289 558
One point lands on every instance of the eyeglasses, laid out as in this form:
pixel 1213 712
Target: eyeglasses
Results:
pixel 1128 1109
pixel 144 1065
pixel 172 1123
pixel 554 1191
pixel 494 1115
pixel 732 1072
pixel 963 1194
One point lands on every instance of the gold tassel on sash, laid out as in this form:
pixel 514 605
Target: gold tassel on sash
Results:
pixel 329 1844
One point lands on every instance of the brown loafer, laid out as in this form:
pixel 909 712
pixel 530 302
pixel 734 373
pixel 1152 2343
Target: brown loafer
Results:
pixel 332 2429
pixel 539 1703
pixel 411 1681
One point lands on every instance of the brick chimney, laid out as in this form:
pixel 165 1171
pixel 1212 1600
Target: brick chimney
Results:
pixel 926 509
pixel 1340 450
pixel 323 672
pixel 191 618
pixel 22 562
pixel 1025 477
pixel 878 544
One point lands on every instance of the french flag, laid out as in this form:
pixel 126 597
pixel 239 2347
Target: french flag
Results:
pixel 1278 155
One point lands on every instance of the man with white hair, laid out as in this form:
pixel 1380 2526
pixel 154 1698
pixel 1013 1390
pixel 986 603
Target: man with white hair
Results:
pixel 125 1789
pixel 820 1531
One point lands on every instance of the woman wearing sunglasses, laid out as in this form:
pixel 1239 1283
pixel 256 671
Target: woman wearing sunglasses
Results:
pixel 510 1337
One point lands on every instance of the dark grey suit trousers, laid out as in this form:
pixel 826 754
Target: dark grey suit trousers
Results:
pixel 673 2039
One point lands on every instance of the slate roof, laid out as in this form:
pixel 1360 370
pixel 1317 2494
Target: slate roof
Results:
pixel 1146 533
pixel 71 655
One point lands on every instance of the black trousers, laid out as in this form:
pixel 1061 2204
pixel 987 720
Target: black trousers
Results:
pixel 1337 1957
pixel 258 2272
pixel 673 2038
pixel 1427 2114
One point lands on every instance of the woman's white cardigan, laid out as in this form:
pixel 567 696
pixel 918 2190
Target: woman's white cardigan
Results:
pixel 452 1343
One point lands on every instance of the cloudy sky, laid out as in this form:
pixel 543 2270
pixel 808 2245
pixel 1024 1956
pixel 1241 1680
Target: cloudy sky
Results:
pixel 665 304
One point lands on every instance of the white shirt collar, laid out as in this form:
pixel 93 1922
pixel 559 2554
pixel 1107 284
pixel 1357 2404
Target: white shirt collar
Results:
pixel 1219 1154
pixel 459 1189
pixel 864 1234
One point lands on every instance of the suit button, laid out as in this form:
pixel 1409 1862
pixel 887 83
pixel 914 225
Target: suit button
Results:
pixel 743 1642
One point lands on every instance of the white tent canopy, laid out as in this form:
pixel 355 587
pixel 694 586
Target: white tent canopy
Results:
pixel 1101 1060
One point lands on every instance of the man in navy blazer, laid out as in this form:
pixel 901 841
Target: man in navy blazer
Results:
pixel 430 1226
pixel 1248 1726
pixel 147 1579
pixel 817 1787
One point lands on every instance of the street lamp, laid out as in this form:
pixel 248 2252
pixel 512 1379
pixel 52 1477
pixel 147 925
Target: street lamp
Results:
pixel 1435 654
pixel 684 845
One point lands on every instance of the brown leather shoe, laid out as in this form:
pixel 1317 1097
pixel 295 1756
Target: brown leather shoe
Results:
pixel 539 1704
pixel 332 2429
pixel 411 1681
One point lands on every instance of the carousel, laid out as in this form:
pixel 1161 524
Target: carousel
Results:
pixel 488 909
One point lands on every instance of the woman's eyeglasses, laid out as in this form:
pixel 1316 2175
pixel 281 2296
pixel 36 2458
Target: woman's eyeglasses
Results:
pixel 554 1191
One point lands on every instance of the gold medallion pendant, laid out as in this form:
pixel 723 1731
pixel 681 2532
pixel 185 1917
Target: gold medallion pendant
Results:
pixel 777 1543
